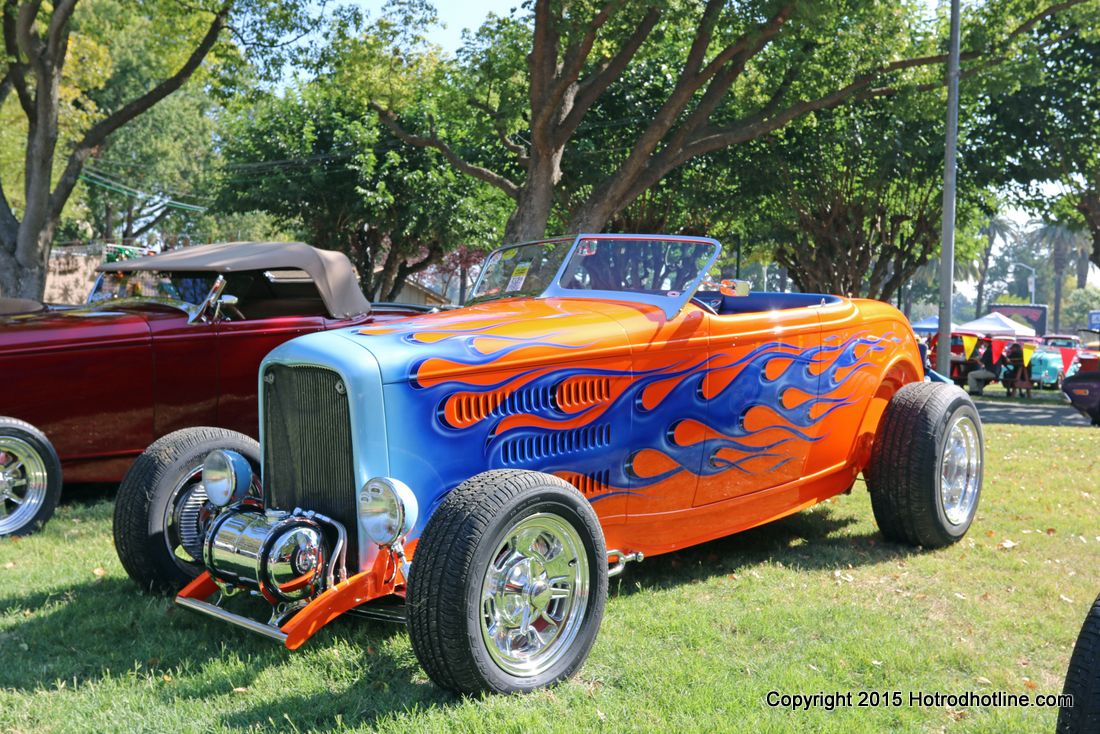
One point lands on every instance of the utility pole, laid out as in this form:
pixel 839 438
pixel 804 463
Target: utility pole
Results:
pixel 947 234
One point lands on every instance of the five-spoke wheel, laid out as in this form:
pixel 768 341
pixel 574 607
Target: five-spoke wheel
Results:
pixel 508 584
pixel 30 478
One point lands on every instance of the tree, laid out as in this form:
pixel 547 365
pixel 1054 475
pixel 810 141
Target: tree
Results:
pixel 1062 243
pixel 1044 120
pixel 998 227
pixel 314 158
pixel 1078 305
pixel 38 45
pixel 853 195
pixel 742 71
pixel 146 176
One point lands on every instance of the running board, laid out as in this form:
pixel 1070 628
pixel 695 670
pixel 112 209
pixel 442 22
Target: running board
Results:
pixel 621 559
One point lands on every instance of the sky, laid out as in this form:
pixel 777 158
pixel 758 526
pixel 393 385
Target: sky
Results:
pixel 455 15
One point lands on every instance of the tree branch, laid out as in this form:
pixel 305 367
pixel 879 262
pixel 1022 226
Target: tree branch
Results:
pixel 432 141
pixel 495 115
pixel 99 132
pixel 16 67
pixel 575 56
pixel 160 217
pixel 57 35
pixel 9 225
pixel 597 83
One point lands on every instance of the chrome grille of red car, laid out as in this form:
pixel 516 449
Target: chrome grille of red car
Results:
pixel 307 451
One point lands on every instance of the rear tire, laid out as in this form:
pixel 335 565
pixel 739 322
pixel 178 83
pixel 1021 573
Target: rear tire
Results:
pixel 508 584
pixel 1083 679
pixel 30 478
pixel 160 512
pixel 925 472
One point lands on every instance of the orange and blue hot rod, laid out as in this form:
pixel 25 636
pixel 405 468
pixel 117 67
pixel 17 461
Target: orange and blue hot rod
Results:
pixel 479 473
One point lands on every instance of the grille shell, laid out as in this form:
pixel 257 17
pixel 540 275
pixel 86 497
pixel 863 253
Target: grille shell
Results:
pixel 307 444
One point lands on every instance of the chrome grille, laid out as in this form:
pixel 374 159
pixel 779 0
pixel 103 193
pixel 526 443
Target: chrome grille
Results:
pixel 308 458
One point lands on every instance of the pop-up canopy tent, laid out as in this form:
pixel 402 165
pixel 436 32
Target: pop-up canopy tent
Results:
pixel 996 324
pixel 931 324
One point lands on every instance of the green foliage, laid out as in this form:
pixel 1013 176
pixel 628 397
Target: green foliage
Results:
pixel 1039 119
pixel 315 157
pixel 1078 303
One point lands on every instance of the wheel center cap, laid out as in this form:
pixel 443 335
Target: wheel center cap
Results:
pixel 525 588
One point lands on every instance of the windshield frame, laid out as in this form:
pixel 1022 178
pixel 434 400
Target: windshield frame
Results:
pixel 670 305
pixel 194 311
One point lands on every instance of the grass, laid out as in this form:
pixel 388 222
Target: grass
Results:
pixel 691 641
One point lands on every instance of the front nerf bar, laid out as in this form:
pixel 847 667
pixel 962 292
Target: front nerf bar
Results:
pixel 376 582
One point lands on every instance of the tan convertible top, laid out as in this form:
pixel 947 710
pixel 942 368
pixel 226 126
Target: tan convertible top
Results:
pixel 331 271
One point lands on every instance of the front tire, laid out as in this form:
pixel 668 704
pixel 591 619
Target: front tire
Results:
pixel 160 512
pixel 508 584
pixel 30 478
pixel 1083 679
pixel 925 473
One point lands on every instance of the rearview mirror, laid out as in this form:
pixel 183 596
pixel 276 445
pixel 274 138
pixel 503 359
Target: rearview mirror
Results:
pixel 223 301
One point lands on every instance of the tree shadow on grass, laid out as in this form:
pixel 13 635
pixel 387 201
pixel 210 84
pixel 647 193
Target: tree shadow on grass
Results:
pixel 106 628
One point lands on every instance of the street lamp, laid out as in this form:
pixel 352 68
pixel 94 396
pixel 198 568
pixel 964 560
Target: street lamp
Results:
pixel 1030 280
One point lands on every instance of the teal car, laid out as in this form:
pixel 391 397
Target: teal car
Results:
pixel 1046 368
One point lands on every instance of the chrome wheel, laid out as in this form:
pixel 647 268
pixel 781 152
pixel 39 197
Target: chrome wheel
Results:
pixel 185 518
pixel 960 470
pixel 23 483
pixel 534 595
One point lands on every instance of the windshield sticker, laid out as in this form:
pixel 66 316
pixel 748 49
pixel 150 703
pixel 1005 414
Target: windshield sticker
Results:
pixel 586 248
pixel 519 275
pixel 509 254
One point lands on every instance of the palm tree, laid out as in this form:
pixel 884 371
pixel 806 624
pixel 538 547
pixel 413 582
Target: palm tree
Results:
pixel 999 227
pixel 1060 241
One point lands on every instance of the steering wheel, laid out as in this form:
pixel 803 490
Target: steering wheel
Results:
pixel 704 305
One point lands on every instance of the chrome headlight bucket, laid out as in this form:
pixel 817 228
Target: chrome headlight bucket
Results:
pixel 387 510
pixel 227 477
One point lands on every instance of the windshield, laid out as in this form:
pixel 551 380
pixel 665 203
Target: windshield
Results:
pixel 657 267
pixel 522 270
pixel 656 270
pixel 1061 341
pixel 180 289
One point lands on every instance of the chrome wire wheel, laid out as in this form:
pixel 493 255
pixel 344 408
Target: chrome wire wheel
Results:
pixel 534 595
pixel 960 470
pixel 24 483
pixel 185 518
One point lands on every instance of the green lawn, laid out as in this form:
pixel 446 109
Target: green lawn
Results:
pixel 692 641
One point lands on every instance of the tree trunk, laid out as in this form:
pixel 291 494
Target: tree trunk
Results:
pixel 1060 255
pixel 108 222
pixel 528 220
pixel 983 272
pixel 1089 206
pixel 1083 267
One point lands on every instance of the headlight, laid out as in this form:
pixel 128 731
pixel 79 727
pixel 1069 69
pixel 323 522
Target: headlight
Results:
pixel 227 476
pixel 387 510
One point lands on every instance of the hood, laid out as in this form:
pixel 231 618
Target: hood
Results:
pixel 508 335
pixel 78 327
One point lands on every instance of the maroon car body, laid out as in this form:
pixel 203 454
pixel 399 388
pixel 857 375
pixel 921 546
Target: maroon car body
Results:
pixel 103 381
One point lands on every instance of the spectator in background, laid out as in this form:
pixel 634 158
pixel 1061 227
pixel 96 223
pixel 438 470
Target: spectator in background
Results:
pixel 985 372
pixel 1017 375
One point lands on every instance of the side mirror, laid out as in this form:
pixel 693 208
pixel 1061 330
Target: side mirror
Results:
pixel 735 288
pixel 224 301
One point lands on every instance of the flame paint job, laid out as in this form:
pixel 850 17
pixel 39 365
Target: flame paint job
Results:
pixel 646 415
